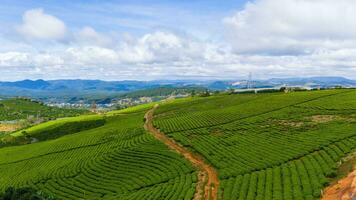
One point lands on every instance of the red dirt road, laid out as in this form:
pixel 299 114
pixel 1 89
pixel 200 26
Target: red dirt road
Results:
pixel 208 182
pixel 344 189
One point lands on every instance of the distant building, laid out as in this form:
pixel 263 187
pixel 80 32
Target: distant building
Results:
pixel 93 107
pixel 287 89
pixel 145 99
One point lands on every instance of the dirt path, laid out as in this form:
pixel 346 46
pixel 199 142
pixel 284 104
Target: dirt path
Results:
pixel 208 182
pixel 344 189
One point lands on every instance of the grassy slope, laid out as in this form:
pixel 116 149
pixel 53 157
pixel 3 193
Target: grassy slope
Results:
pixel 54 124
pixel 278 146
pixel 15 109
pixel 116 161
pixel 134 109
pixel 24 112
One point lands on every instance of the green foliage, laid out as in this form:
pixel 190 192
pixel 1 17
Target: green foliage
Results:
pixel 264 146
pixel 206 93
pixel 60 127
pixel 163 91
pixel 52 129
pixel 20 108
pixel 134 109
pixel 118 160
pixel 24 194
pixel 292 141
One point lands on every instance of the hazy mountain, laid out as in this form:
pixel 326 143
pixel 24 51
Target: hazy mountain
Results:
pixel 322 82
pixel 87 90
pixel 27 84
pixel 315 81
pixel 103 89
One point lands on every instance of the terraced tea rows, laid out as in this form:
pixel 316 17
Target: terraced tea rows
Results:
pixel 116 161
pixel 303 178
pixel 211 113
pixel 264 146
pixel 206 187
pixel 262 135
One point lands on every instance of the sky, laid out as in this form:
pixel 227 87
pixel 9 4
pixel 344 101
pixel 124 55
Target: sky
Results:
pixel 176 39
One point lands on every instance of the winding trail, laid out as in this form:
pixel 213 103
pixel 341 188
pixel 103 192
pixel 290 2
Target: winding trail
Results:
pixel 208 182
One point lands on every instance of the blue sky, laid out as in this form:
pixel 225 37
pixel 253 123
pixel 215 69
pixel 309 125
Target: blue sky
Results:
pixel 161 39
pixel 136 17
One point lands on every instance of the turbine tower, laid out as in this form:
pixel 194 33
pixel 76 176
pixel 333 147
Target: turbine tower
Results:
pixel 249 82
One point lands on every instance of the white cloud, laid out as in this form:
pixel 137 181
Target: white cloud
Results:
pixel 155 53
pixel 270 38
pixel 159 47
pixel 47 59
pixel 89 35
pixel 292 26
pixel 13 58
pixel 39 25
pixel 90 56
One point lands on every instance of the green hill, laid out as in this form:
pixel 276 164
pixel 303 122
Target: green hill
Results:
pixel 19 113
pixel 164 91
pixel 263 146
pixel 267 146
pixel 20 108
pixel 118 160
pixel 60 127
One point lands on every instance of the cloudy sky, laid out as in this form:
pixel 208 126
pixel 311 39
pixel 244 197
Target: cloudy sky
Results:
pixel 176 39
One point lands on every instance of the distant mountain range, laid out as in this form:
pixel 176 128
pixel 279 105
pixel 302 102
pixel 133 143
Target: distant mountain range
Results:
pixel 311 82
pixel 90 88
pixel 316 81
pixel 75 90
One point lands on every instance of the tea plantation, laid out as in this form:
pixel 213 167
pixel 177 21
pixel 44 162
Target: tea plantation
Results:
pixel 267 146
pixel 118 160
pixel 263 146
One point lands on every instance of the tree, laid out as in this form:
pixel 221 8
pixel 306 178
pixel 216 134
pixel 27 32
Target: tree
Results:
pixel 231 91
pixel 282 89
pixel 206 93
pixel 25 193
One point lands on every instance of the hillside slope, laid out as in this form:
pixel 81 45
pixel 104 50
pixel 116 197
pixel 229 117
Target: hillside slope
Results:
pixel 19 108
pixel 262 146
pixel 118 160
pixel 19 113
pixel 267 146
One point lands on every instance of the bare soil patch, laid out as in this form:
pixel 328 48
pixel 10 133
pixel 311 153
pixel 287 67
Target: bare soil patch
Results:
pixel 290 123
pixel 315 119
pixel 9 127
pixel 344 189
pixel 324 118
pixel 329 118
pixel 217 132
